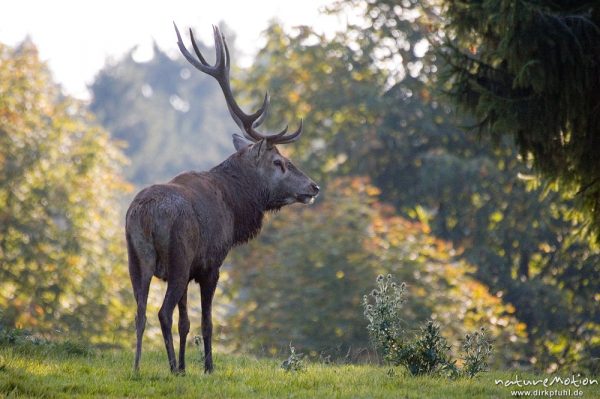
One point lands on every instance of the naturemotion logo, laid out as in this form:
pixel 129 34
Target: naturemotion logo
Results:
pixel 573 381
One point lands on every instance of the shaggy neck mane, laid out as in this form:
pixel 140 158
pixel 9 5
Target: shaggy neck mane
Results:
pixel 244 195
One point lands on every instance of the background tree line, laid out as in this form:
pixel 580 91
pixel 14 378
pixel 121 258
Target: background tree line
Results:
pixel 408 188
pixel 61 246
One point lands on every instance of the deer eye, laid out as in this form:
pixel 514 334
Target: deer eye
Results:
pixel 279 164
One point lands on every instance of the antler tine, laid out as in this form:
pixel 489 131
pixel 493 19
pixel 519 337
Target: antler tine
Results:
pixel 203 67
pixel 196 49
pixel 263 110
pixel 227 57
pixel 220 71
pixel 222 64
pixel 221 61
pixel 274 138
pixel 292 137
pixel 257 117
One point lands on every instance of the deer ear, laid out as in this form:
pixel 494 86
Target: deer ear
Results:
pixel 240 142
pixel 258 149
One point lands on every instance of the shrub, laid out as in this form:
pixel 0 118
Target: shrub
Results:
pixel 427 351
pixel 477 349
pixel 294 362
pixel 385 323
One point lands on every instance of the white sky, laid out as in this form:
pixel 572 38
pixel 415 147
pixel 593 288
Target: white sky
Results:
pixel 76 37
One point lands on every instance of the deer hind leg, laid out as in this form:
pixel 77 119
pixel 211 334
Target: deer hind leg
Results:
pixel 179 257
pixel 140 320
pixel 140 272
pixel 175 291
pixel 184 329
pixel 208 284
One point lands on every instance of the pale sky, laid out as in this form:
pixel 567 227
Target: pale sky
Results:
pixel 76 37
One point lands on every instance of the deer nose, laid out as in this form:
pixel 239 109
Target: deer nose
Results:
pixel 315 187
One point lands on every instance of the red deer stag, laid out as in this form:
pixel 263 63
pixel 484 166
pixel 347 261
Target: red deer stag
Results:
pixel 182 230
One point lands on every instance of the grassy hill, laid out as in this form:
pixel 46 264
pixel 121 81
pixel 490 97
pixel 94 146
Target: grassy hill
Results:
pixel 68 370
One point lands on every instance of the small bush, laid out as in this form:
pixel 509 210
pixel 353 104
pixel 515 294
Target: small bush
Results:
pixel 427 351
pixel 384 316
pixel 294 362
pixel 477 349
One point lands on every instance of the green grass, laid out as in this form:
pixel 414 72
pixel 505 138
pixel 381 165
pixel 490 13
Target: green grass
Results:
pixel 37 371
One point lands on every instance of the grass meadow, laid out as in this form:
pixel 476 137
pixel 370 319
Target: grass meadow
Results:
pixel 65 371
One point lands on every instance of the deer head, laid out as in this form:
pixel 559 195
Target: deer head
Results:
pixel 284 183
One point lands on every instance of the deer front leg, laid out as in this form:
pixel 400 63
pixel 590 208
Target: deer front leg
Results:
pixel 208 284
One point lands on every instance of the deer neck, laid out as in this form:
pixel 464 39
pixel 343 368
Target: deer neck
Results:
pixel 245 196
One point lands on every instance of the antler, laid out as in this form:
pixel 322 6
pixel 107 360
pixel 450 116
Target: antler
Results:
pixel 220 71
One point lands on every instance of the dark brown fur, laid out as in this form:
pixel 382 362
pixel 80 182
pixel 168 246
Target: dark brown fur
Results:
pixel 182 231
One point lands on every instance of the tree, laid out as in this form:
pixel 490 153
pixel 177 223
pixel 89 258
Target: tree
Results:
pixel 172 118
pixel 61 248
pixel 304 278
pixel 333 87
pixel 405 137
pixel 531 70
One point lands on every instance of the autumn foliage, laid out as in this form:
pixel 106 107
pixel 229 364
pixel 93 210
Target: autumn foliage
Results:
pixel 303 280
pixel 61 247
